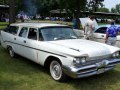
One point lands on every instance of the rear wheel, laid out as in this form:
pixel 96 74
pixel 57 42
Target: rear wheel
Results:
pixel 56 71
pixel 11 52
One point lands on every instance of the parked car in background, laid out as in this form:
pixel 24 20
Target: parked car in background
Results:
pixel 99 33
pixel 58 48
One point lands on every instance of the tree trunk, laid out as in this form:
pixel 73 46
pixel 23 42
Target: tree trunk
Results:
pixel 11 11
pixel 78 13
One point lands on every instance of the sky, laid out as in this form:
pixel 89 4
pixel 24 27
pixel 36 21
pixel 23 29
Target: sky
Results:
pixel 111 3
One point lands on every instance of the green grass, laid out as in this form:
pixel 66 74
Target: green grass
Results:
pixel 3 25
pixel 22 74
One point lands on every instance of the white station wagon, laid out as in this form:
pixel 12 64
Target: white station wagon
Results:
pixel 58 48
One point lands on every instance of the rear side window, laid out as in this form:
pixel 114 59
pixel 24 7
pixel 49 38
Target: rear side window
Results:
pixel 12 29
pixel 101 30
pixel 32 33
pixel 23 32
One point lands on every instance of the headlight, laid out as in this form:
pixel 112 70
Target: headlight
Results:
pixel 79 60
pixel 116 55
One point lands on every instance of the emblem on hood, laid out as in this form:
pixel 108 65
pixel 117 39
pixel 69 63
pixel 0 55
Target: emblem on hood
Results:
pixel 75 49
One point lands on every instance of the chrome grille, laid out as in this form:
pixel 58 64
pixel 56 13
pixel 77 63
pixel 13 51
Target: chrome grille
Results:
pixel 99 57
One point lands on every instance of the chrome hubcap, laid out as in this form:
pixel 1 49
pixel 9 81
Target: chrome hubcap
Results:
pixel 11 52
pixel 55 70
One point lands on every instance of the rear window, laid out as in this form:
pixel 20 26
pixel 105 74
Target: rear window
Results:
pixel 12 29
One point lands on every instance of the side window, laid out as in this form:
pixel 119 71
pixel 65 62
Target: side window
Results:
pixel 23 32
pixel 7 29
pixel 101 30
pixel 32 33
pixel 12 29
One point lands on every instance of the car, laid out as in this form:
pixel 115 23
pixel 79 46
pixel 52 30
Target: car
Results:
pixel 59 49
pixel 99 34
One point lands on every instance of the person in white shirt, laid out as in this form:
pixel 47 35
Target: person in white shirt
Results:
pixel 89 27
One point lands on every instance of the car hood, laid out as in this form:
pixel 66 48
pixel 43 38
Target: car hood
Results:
pixel 91 48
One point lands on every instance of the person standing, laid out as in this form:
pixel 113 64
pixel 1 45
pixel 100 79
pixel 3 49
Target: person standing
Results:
pixel 111 34
pixel 21 18
pixel 89 27
pixel 74 23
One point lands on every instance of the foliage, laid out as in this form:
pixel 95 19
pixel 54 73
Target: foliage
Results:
pixel 116 9
pixel 93 5
pixel 113 10
pixel 2 2
pixel 103 10
pixel 44 6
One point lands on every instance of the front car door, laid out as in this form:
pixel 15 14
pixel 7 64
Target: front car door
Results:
pixel 31 43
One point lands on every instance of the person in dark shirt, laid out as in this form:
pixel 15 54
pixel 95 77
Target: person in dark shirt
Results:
pixel 75 23
pixel 21 18
pixel 111 34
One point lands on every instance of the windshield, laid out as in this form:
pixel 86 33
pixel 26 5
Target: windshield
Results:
pixel 57 33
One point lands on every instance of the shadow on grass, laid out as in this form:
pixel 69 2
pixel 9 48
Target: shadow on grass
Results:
pixel 98 82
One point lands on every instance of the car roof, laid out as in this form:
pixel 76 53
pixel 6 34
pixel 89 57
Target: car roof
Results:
pixel 106 25
pixel 38 25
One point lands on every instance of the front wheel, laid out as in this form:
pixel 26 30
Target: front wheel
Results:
pixel 11 52
pixel 56 71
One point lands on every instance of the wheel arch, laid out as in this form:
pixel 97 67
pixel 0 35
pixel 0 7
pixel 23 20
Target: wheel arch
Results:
pixel 8 46
pixel 49 59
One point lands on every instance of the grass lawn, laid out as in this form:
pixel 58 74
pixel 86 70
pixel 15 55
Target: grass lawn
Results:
pixel 3 25
pixel 22 74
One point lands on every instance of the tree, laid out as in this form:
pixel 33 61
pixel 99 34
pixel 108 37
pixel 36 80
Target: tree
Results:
pixel 44 6
pixel 4 2
pixel 113 10
pixel 93 5
pixel 118 8
pixel 103 10
pixel 74 7
pixel 12 11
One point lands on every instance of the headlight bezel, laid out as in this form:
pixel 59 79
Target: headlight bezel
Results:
pixel 116 54
pixel 79 60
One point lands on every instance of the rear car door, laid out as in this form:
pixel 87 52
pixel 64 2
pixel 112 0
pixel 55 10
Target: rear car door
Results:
pixel 9 37
pixel 118 41
pixel 31 45
pixel 22 38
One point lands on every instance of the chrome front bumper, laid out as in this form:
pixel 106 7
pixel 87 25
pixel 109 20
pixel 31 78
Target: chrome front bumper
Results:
pixel 89 70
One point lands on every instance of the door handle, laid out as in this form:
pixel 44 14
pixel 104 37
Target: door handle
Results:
pixel 14 38
pixel 24 41
pixel 102 35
